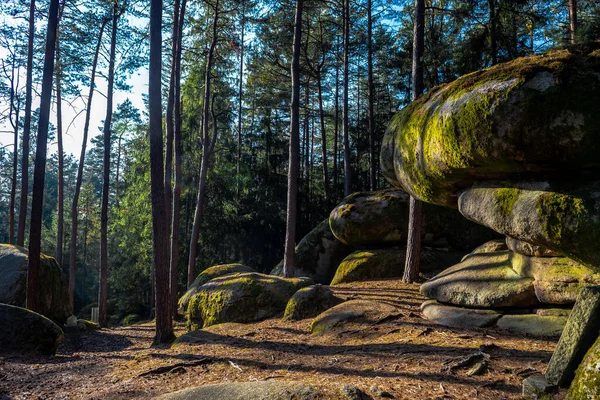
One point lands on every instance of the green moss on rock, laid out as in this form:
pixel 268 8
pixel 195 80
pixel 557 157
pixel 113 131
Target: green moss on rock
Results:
pixel 309 302
pixel 205 276
pixel 586 384
pixel 506 199
pixel 243 297
pixel 372 264
pixel 533 115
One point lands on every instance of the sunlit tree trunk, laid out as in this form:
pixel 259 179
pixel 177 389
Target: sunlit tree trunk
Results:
pixel 289 264
pixel 78 182
pixel 160 234
pixel 413 246
pixel 35 227
pixel 371 96
pixel 572 20
pixel 206 150
pixel 103 283
pixel 14 112
pixel 26 129
pixel 59 137
pixel 345 126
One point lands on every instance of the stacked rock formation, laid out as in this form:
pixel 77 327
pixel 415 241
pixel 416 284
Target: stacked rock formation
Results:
pixel 514 148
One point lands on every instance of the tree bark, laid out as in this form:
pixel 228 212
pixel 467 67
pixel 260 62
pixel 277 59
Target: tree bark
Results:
pixel 572 20
pixel 160 237
pixel 14 110
pixel 59 137
pixel 75 203
pixel 174 262
pixel 323 138
pixel 26 130
pixel 493 34
pixel 289 264
pixel 371 97
pixel 35 227
pixel 345 126
pixel 206 150
pixel 336 125
pixel 103 283
pixel 413 246
pixel 240 99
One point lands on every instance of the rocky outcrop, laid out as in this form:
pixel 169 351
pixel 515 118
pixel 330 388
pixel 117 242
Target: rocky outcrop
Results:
pixel 309 302
pixel 586 384
pixel 353 314
pixel 528 249
pixel 317 255
pixel 52 290
pixel 205 276
pixel 243 297
pixel 533 117
pixel 380 218
pixel 24 331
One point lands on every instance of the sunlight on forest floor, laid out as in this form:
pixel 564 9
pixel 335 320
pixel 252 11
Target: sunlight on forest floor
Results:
pixel 408 357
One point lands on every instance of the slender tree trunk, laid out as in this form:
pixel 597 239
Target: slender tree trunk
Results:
pixel 289 264
pixel 345 126
pixel 78 182
pixel 59 137
pixel 413 246
pixel 14 108
pixel 493 34
pixel 371 96
pixel 160 237
pixel 323 138
pixel 118 166
pixel 174 279
pixel 336 124
pixel 35 227
pixel 240 99
pixel 572 20
pixel 205 153
pixel 103 283
pixel 26 129
pixel 170 123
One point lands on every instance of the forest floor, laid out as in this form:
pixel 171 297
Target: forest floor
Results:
pixel 407 357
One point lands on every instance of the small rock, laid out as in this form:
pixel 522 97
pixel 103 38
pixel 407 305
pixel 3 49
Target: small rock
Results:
pixel 351 392
pixel 380 392
pixel 309 302
pixel 536 386
pixel 72 321
pixel 353 314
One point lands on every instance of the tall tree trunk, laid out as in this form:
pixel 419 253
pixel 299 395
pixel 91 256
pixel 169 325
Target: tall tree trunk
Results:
pixel 336 125
pixel 35 227
pixel 206 147
pixel 160 235
pixel 59 137
pixel 572 20
pixel 170 123
pixel 413 246
pixel 103 283
pixel 14 110
pixel 323 137
pixel 174 279
pixel 78 182
pixel 289 264
pixel 345 127
pixel 371 97
pixel 240 99
pixel 26 130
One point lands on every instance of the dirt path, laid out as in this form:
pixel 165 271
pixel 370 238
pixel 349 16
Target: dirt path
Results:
pixel 407 357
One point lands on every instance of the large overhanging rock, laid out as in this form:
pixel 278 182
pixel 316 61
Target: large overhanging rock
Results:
pixel 380 218
pixel 53 292
pixel 562 219
pixel 531 117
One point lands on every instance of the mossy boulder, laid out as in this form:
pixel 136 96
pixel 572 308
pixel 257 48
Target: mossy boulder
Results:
pixel 370 264
pixel 379 218
pixel 205 276
pixel 242 297
pixel 586 384
pixel 53 290
pixel 317 255
pixel 561 217
pixel 484 280
pixel 353 314
pixel 24 331
pixel 309 302
pixel 533 116
pixel 533 324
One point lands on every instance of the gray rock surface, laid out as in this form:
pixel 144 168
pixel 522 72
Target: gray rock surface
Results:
pixel 353 314
pixel 261 390
pixel 23 331
pixel 458 317
pixel 309 302
pixel 53 288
